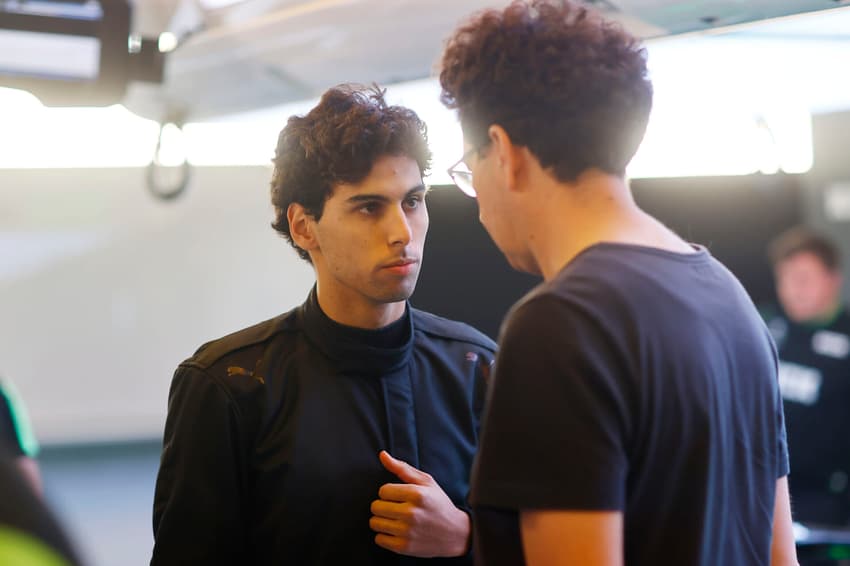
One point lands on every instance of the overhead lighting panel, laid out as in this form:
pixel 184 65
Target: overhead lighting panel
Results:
pixel 73 52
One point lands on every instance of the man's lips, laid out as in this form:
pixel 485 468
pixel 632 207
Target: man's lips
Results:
pixel 401 267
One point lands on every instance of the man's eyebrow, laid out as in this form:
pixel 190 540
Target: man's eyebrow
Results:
pixel 420 188
pixel 368 197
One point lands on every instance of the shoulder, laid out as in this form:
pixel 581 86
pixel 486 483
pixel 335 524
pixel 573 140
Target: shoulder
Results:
pixel 534 316
pixel 557 322
pixel 566 296
pixel 443 328
pixel 244 341
pixel 230 369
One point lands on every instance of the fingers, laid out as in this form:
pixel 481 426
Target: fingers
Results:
pixel 400 492
pixel 393 533
pixel 404 471
pixel 389 526
pixel 390 510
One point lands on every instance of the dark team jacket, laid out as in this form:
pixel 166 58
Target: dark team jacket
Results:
pixel 814 378
pixel 271 443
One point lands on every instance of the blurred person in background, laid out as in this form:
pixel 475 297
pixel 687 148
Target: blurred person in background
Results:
pixel 812 333
pixel 29 533
pixel 343 431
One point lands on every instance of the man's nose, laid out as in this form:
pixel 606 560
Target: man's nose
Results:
pixel 399 229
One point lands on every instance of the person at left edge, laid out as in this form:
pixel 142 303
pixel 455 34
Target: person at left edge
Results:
pixel 274 440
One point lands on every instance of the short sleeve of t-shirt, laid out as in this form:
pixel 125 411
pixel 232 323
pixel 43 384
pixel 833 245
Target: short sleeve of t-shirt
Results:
pixel 555 433
pixel 783 466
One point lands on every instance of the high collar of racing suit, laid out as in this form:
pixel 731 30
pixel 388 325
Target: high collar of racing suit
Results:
pixel 359 351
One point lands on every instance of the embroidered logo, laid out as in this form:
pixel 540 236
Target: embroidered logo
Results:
pixel 236 370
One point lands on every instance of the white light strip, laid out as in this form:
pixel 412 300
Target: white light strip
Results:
pixel 49 55
pixel 37 137
pixel 716 112
pixel 216 4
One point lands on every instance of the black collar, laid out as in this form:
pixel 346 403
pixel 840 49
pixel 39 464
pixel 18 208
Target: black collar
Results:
pixel 356 350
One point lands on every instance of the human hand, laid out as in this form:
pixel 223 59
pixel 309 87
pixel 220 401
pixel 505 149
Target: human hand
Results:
pixel 417 518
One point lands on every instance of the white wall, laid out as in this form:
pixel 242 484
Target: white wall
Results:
pixel 104 290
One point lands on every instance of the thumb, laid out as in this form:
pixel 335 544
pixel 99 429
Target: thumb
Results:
pixel 404 471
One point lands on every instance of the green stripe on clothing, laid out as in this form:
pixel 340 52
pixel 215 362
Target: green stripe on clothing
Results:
pixel 20 418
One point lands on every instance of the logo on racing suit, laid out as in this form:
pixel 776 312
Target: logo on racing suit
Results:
pixel 800 384
pixel 832 344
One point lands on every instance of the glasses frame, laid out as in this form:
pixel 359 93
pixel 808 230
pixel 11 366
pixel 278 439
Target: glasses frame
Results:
pixel 463 179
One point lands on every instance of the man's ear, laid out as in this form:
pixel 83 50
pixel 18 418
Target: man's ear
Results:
pixel 509 158
pixel 302 227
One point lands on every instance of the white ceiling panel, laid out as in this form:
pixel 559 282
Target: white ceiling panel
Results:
pixel 260 53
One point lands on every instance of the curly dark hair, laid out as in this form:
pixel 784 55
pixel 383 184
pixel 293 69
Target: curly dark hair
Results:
pixel 801 239
pixel 338 141
pixel 562 81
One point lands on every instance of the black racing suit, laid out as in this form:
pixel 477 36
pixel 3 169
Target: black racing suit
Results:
pixel 271 443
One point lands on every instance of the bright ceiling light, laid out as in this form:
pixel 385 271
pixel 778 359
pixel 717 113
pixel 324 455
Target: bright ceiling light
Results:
pixel 167 42
pixel 215 4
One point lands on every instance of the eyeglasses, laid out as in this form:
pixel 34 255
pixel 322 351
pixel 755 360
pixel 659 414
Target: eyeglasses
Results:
pixel 461 175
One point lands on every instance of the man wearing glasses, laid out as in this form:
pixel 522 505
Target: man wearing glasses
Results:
pixel 634 416
pixel 341 432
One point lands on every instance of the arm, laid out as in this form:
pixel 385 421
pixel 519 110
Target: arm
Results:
pixel 198 501
pixel 417 518
pixel 783 552
pixel 561 538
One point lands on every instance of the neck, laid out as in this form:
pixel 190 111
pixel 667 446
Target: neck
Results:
pixel 597 207
pixel 827 316
pixel 357 311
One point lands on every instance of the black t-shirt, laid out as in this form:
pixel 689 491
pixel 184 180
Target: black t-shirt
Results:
pixel 642 381
pixel 814 378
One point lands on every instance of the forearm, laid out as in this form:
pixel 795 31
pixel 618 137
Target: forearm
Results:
pixel 783 551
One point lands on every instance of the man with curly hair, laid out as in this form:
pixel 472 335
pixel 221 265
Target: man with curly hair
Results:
pixel 343 431
pixel 634 414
